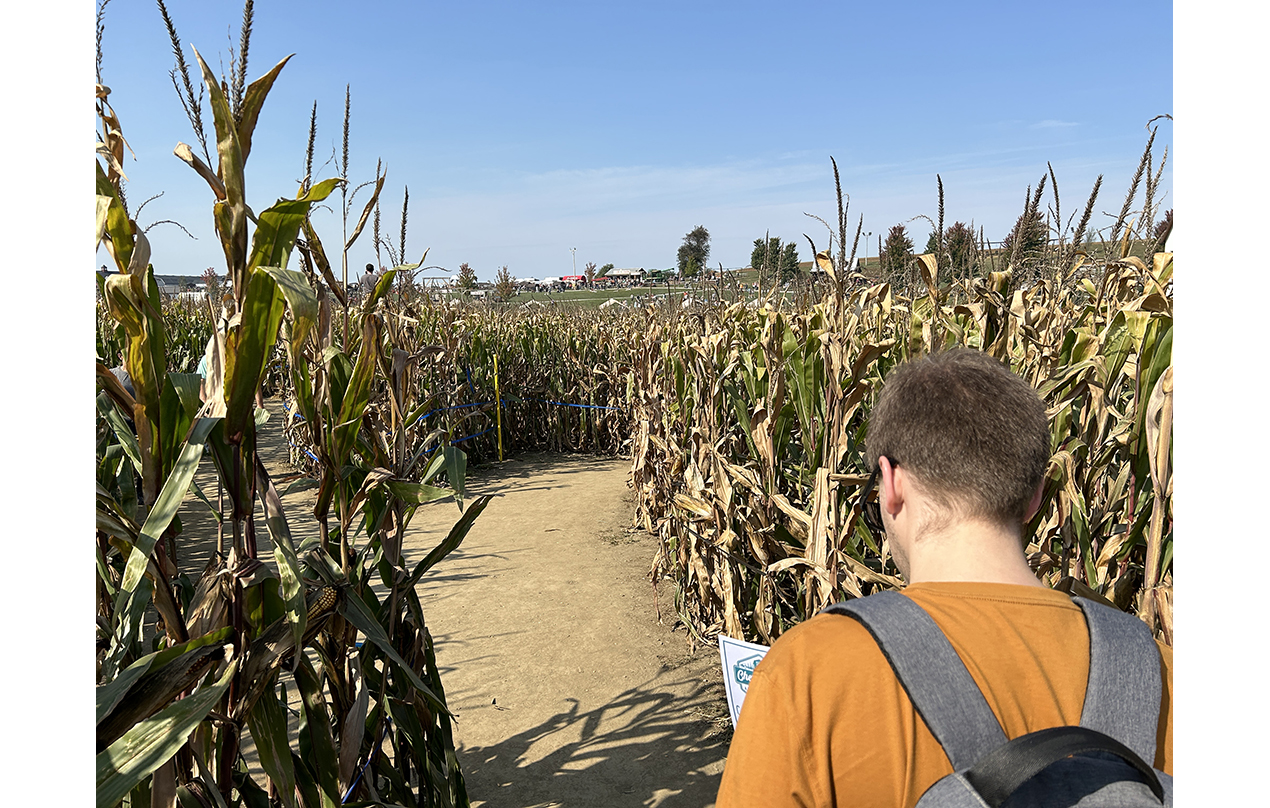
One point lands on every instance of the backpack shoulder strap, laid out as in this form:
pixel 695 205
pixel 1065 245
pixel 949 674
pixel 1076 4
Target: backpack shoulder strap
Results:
pixel 1122 698
pixel 942 691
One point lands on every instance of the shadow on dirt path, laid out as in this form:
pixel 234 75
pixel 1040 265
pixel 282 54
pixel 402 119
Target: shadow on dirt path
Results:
pixel 568 690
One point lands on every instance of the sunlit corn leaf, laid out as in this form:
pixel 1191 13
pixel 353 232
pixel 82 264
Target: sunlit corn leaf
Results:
pixel 278 227
pixel 370 206
pixel 253 101
pixel 247 349
pixel 228 147
pixel 381 288
pixel 417 493
pixel 103 210
pixel 117 226
pixel 300 299
pixel 356 395
pixel 187 156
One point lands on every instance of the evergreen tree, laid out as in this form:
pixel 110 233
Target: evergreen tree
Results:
pixel 789 262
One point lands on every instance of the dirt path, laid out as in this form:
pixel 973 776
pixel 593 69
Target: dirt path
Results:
pixel 568 691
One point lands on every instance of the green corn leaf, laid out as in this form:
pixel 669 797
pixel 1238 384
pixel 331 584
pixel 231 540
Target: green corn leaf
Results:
pixel 1117 342
pixel 381 289
pixel 230 224
pixel 253 100
pixel 453 776
pixel 321 755
pixel 186 386
pixel 284 555
pixel 116 223
pixel 300 484
pixel 110 694
pixel 267 722
pixel 435 465
pixel 300 299
pixel 171 672
pixel 452 540
pixel 279 225
pixel 456 471
pixel 416 493
pixel 253 796
pixel 357 613
pixel 228 147
pixel 318 254
pixel 209 782
pixel 352 734
pixel 198 493
pixel 247 350
pixel 153 742
pixel 128 606
pixel 128 441
pixel 356 395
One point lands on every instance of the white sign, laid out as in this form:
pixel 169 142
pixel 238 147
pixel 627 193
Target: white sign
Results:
pixel 739 660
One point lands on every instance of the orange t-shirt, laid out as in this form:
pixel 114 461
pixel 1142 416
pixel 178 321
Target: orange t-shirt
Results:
pixel 826 723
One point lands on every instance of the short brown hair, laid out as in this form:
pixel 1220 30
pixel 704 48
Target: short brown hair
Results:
pixel 968 429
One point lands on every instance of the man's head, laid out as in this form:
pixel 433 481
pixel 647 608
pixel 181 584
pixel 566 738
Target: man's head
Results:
pixel 972 434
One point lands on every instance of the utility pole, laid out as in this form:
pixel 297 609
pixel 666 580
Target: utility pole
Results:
pixel 574 250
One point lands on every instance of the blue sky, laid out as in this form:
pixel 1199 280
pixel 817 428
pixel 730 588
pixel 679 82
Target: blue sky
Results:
pixel 523 129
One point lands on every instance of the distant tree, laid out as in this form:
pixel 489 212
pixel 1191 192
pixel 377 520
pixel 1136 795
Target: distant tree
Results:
pixel 466 279
pixel 765 257
pixel 775 262
pixel 589 272
pixel 695 249
pixel 932 243
pixel 897 251
pixel 789 262
pixel 604 270
pixel 504 284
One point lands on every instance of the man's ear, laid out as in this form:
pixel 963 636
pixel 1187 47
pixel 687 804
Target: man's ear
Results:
pixel 1035 504
pixel 893 486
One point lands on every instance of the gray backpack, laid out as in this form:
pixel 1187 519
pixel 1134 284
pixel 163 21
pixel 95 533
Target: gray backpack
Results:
pixel 1102 762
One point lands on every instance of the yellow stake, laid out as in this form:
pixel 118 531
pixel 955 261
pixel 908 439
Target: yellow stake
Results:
pixel 498 410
